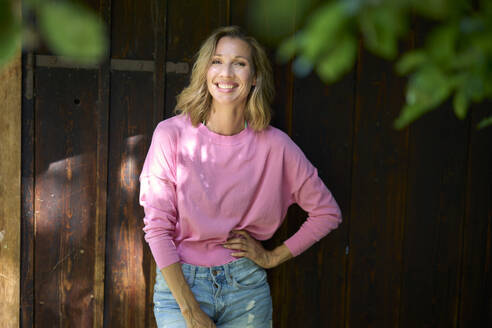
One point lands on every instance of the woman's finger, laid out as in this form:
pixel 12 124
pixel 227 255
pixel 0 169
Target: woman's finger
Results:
pixel 239 246
pixel 242 233
pixel 235 240
pixel 239 254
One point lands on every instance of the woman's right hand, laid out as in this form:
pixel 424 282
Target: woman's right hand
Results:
pixel 197 319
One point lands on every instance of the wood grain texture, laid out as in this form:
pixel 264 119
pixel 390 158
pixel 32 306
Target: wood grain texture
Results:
pixel 433 229
pixel 159 112
pixel 476 281
pixel 131 130
pixel 322 127
pixel 10 189
pixel 27 196
pixel 65 197
pixel 132 29
pixel 378 197
pixel 100 220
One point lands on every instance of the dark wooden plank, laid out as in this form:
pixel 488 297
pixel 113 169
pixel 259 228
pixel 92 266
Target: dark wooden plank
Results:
pixel 27 196
pixel 10 188
pixel 159 92
pixel 133 27
pixel 184 38
pixel 438 146
pixel 322 127
pixel 131 129
pixel 476 283
pixel 433 228
pixel 378 197
pixel 100 220
pixel 66 171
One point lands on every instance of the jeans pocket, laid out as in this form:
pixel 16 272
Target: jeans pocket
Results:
pixel 161 284
pixel 250 278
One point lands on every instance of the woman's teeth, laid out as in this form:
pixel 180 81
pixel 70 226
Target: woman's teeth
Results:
pixel 225 86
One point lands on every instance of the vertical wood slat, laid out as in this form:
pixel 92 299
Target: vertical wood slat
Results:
pixel 378 197
pixel 136 107
pixel 476 281
pixel 102 125
pixel 322 127
pixel 10 189
pixel 126 286
pixel 433 229
pixel 27 196
pixel 75 292
pixel 65 205
pixel 434 216
pixel 159 14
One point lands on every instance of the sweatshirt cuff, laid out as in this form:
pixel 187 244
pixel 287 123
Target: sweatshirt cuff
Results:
pixel 164 253
pixel 298 244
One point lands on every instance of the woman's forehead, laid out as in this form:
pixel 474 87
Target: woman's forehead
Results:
pixel 234 47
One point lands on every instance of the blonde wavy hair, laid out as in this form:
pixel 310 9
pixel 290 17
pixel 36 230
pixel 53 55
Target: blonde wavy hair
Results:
pixel 196 101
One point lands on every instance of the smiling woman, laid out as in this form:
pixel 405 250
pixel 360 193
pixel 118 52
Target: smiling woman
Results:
pixel 217 180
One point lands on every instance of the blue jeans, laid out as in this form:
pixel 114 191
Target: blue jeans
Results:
pixel 233 295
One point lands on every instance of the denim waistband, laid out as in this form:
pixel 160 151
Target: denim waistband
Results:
pixel 241 265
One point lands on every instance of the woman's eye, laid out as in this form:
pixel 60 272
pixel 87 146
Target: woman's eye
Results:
pixel 215 61
pixel 241 64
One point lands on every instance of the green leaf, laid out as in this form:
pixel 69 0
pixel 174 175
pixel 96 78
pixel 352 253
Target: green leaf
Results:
pixel 381 27
pixel 460 104
pixel 324 30
pixel 287 49
pixel 73 30
pixel 411 61
pixel 427 88
pixel 10 33
pixel 436 9
pixel 339 61
pixel 485 122
pixel 441 44
pixel 275 19
pixel 408 114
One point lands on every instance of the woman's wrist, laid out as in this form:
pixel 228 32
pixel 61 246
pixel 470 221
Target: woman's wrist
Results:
pixel 279 255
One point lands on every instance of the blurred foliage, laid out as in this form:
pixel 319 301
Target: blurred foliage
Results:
pixel 455 59
pixel 68 29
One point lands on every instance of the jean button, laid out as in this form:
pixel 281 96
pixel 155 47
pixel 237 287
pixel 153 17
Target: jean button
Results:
pixel 214 272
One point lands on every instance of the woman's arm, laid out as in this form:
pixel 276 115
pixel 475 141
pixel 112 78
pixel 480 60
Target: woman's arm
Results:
pixel 192 313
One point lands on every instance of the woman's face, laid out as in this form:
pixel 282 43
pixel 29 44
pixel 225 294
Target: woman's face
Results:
pixel 230 74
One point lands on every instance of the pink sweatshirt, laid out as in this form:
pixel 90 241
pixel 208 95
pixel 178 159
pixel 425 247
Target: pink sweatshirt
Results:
pixel 196 186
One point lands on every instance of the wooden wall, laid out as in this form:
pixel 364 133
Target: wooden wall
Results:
pixel 414 249
pixel 10 185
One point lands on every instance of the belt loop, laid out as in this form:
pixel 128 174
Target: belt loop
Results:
pixel 227 273
pixel 192 274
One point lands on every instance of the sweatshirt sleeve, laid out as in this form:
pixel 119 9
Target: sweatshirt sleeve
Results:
pixel 158 197
pixel 311 194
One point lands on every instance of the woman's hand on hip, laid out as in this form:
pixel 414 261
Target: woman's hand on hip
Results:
pixel 246 246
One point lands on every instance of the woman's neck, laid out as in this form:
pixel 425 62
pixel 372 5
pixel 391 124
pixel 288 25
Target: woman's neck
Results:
pixel 226 120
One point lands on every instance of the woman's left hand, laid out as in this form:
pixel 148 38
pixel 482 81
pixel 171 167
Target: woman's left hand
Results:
pixel 247 246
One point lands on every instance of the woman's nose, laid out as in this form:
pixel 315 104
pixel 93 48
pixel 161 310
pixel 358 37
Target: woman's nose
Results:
pixel 226 70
